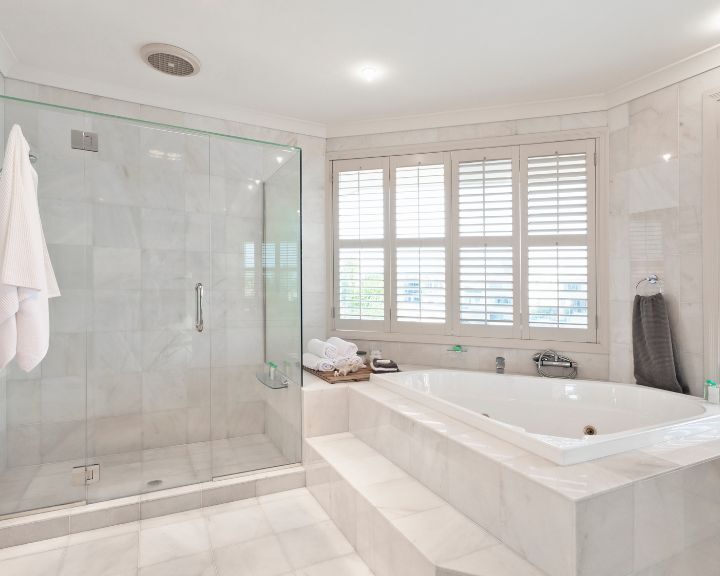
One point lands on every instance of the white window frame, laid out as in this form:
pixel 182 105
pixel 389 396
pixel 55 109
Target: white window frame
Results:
pixel 598 253
pixel 394 243
pixel 458 242
pixel 349 166
pixel 588 334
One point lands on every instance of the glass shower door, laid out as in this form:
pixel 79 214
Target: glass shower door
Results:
pixel 149 370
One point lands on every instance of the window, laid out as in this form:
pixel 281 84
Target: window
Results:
pixel 360 251
pixel 493 242
pixel 558 234
pixel 420 231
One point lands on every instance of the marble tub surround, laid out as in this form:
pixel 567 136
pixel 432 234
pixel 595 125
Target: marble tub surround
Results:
pixel 607 517
pixel 285 534
pixel 397 525
pixel 79 519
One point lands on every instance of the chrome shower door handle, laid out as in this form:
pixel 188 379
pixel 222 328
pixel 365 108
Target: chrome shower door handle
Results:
pixel 198 307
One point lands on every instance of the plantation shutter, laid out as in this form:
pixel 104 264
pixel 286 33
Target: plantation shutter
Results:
pixel 420 238
pixel 486 241
pixel 360 260
pixel 559 226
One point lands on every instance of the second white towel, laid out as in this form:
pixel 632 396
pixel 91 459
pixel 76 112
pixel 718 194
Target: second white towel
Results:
pixel 322 349
pixel 316 363
pixel 343 347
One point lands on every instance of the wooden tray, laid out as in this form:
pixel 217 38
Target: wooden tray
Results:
pixel 361 375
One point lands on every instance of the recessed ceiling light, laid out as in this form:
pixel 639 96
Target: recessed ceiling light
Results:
pixel 369 73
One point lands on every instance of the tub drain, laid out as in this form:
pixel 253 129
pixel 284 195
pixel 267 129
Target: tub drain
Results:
pixel 154 483
pixel 590 431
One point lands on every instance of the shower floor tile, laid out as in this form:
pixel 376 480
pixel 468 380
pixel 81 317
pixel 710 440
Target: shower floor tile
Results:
pixel 239 538
pixel 126 474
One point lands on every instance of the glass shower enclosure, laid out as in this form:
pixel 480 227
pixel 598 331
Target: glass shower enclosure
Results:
pixel 177 253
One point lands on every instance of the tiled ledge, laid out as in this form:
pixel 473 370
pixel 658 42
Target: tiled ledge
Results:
pixel 617 516
pixel 398 526
pixel 45 525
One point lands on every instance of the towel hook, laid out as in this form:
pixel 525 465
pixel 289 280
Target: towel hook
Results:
pixel 651 279
pixel 33 159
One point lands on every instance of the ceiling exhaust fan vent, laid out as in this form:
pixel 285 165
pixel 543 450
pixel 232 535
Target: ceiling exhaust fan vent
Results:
pixel 170 59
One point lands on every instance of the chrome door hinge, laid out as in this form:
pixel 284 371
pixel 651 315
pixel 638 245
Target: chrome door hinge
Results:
pixel 594 158
pixel 332 312
pixel 87 141
pixel 82 475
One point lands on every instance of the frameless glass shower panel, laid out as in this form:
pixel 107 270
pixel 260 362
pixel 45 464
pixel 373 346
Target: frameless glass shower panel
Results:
pixel 240 442
pixel 282 304
pixel 44 425
pixel 149 371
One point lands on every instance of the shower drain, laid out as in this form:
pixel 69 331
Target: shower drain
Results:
pixel 590 431
pixel 154 483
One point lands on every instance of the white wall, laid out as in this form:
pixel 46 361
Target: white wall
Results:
pixel 656 216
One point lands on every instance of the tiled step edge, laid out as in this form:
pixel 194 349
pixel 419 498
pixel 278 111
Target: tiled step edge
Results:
pixel 397 525
pixel 45 525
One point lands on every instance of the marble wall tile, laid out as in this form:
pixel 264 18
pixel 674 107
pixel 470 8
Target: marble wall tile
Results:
pixel 659 506
pixel 538 524
pixel 325 411
pixel 116 226
pixel 605 531
pixel 117 268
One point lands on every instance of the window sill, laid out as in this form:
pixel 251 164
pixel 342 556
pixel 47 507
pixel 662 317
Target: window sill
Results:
pixel 509 343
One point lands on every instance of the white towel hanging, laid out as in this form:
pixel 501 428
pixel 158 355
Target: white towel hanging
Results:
pixel 27 278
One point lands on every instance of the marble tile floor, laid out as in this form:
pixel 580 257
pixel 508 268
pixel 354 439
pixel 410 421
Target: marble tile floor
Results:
pixel 283 534
pixel 34 487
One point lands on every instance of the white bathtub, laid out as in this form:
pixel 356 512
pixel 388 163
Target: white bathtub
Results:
pixel 549 416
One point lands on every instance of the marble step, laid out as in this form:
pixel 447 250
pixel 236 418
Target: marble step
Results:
pixel 397 525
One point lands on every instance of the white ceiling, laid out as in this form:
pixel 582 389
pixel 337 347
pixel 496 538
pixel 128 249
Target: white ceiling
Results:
pixel 299 59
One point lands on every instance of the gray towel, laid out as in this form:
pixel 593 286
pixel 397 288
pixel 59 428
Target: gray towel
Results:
pixel 653 349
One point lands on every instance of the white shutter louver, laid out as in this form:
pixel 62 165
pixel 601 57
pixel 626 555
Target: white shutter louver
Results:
pixel 360 252
pixel 485 198
pixel 360 200
pixel 420 197
pixel 361 283
pixel 486 287
pixel 559 221
pixel 420 277
pixel 557 194
pixel 420 201
pixel 558 286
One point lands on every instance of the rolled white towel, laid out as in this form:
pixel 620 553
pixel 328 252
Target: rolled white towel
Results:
pixel 343 347
pixel 316 363
pixel 322 349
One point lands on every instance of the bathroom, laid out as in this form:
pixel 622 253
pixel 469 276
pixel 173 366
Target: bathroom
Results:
pixel 201 196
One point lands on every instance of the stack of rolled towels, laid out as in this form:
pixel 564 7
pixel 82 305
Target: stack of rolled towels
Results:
pixel 330 355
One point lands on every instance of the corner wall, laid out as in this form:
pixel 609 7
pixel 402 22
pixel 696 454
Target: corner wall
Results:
pixel 656 217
